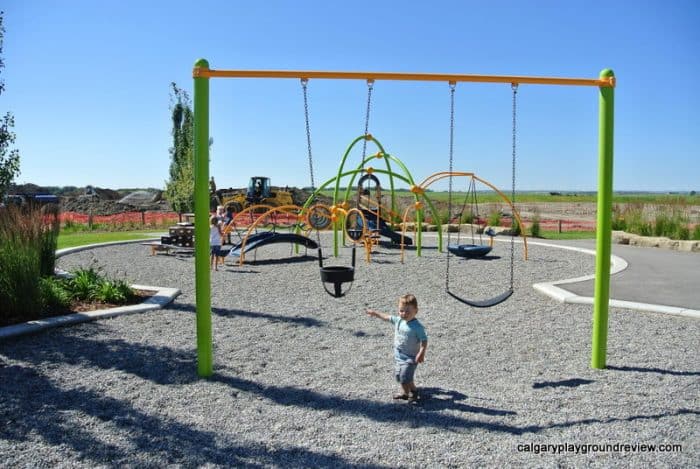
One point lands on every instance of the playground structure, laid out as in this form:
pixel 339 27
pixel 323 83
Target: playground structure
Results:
pixel 378 219
pixel 202 73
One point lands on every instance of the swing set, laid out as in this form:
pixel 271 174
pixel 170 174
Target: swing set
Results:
pixel 202 74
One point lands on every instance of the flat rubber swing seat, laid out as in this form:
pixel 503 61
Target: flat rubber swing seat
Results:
pixel 470 251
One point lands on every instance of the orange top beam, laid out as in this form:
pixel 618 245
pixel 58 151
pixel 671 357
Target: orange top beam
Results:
pixel 200 72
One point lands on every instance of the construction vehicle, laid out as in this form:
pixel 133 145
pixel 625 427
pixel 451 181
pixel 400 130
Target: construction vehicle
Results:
pixel 259 192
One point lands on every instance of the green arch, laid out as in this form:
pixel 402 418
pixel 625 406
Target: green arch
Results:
pixel 407 178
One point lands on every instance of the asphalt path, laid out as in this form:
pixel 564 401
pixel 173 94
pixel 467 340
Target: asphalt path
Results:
pixel 653 276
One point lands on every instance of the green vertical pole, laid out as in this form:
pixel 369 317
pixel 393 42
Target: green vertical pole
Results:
pixel 604 225
pixel 419 231
pixel 201 221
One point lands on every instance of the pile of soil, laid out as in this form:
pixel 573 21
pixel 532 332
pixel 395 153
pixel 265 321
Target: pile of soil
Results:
pixel 92 200
pixel 106 206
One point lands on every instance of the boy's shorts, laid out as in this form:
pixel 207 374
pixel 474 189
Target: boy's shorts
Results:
pixel 404 371
pixel 216 251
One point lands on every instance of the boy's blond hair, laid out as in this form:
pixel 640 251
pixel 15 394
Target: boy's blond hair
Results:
pixel 409 300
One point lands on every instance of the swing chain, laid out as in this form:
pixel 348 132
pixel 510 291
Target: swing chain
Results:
pixel 514 87
pixel 453 86
pixel 304 85
pixel 370 86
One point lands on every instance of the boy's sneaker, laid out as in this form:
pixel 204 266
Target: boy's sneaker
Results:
pixel 413 396
pixel 400 395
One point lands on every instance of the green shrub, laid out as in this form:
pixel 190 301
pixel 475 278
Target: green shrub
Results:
pixel 682 233
pixel 468 217
pixel 84 284
pixel 48 240
pixel 635 221
pixel 494 218
pixel 54 295
pixel 696 232
pixel 27 250
pixel 619 224
pixel 116 291
pixel 89 285
pixel 515 227
pixel 535 230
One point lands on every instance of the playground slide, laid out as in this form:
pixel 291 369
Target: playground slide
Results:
pixel 268 237
pixel 384 229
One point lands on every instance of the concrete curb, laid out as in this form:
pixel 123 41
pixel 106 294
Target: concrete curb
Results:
pixel 162 297
pixel 65 251
pixel 618 264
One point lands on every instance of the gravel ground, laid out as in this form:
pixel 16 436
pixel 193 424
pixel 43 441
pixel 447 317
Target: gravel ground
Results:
pixel 304 380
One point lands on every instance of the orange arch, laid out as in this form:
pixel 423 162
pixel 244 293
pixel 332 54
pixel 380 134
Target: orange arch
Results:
pixel 444 174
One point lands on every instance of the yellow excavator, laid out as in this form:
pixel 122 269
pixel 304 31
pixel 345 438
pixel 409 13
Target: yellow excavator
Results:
pixel 259 192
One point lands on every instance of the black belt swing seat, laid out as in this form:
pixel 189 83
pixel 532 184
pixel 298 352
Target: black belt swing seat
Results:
pixel 336 275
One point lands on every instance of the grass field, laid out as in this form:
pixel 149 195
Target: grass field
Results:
pixel 69 240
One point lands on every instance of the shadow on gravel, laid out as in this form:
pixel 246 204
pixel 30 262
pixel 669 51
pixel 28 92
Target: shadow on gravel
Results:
pixel 223 312
pixel 436 399
pixel 421 414
pixel 654 370
pixel 286 260
pixel 35 408
pixel 161 365
pixel 412 415
pixel 299 320
pixel 86 421
pixel 482 258
pixel 567 383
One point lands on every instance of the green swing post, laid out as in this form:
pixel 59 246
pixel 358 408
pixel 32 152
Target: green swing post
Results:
pixel 601 300
pixel 201 221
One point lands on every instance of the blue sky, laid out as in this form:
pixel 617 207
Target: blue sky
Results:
pixel 88 84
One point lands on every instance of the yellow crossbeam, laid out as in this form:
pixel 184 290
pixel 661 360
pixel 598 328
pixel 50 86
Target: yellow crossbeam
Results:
pixel 200 72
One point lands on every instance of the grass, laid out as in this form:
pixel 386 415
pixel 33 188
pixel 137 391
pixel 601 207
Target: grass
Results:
pixel 27 251
pixel 69 240
pixel 566 235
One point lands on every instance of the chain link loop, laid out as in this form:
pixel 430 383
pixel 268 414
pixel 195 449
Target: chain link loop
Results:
pixel 370 86
pixel 453 86
pixel 304 86
pixel 514 87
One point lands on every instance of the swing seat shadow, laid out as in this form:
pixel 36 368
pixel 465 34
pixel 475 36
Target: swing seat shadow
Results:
pixel 436 399
pixel 567 383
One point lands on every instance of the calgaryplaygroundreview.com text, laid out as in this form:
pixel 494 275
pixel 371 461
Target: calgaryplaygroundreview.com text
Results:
pixel 575 448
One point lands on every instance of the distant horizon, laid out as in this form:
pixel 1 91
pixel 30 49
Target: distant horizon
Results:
pixel 401 189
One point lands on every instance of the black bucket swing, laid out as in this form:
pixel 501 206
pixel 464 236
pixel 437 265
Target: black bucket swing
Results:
pixel 320 217
pixel 337 275
pixel 355 228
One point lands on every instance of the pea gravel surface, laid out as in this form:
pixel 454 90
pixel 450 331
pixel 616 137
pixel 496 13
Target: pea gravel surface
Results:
pixel 305 380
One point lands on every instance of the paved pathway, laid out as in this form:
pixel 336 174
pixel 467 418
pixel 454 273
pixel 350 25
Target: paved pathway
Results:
pixel 654 276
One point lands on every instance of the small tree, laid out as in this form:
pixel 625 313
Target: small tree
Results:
pixel 179 190
pixel 9 159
